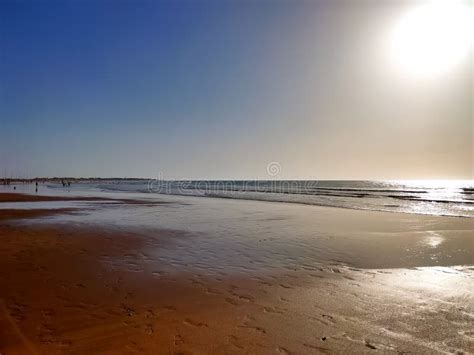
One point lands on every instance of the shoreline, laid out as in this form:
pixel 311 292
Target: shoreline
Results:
pixel 451 199
pixel 78 287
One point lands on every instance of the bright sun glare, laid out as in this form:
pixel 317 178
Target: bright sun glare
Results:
pixel 433 38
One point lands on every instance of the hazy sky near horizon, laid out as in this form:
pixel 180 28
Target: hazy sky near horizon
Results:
pixel 219 89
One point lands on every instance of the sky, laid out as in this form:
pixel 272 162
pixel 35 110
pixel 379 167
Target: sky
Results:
pixel 220 89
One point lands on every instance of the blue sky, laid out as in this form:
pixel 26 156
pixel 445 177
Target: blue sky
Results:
pixel 218 89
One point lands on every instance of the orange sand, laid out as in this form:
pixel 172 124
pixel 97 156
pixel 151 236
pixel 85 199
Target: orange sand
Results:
pixel 62 292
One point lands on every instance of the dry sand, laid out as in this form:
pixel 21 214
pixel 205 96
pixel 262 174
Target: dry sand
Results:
pixel 76 287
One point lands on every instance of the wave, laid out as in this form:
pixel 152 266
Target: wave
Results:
pixel 448 200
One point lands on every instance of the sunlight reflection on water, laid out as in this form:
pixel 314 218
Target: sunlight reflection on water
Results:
pixel 434 239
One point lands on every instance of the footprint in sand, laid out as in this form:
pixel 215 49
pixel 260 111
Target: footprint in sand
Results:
pixel 282 350
pixel 255 328
pixel 248 318
pixel 150 314
pixel 274 310
pixel 329 318
pixel 369 345
pixel 235 341
pixel 46 334
pixel 211 291
pixel 232 301
pixel 192 323
pixel 149 329
pixel 127 310
pixel 47 313
pixel 265 283
pixel 17 311
pixel 178 340
pixel 242 297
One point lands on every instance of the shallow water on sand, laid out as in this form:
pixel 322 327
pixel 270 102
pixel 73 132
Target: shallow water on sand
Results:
pixel 242 236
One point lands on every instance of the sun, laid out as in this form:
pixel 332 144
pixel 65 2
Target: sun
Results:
pixel 432 38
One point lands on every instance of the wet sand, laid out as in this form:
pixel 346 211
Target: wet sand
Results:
pixel 99 279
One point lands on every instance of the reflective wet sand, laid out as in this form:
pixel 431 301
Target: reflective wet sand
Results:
pixel 193 275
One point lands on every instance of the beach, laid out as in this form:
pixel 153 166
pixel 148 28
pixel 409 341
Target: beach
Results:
pixel 236 177
pixel 130 273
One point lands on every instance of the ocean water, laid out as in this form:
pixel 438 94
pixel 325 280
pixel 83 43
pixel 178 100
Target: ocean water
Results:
pixel 446 198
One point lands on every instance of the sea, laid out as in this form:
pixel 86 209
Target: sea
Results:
pixel 431 197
